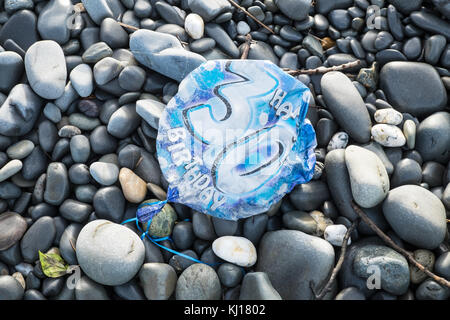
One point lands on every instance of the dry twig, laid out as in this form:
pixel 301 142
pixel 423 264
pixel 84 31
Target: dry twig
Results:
pixel 338 266
pixel 248 42
pixel 322 70
pixel 251 16
pixel 127 26
pixel 392 244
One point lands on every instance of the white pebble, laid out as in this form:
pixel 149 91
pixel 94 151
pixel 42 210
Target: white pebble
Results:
pixel 335 234
pixel 409 130
pixel 194 26
pixel 237 250
pixel 388 116
pixel 388 135
pixel 338 141
pixel 10 169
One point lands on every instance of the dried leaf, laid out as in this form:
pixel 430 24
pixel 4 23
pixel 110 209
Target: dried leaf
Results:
pixel 53 265
pixel 327 43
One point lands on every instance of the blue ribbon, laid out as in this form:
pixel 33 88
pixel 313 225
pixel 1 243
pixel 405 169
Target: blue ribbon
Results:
pixel 145 213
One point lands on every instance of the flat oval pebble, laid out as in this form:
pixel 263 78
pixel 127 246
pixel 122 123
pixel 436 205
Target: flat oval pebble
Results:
pixel 237 250
pixel 109 253
pixel 104 173
pixel 416 215
pixel 133 187
pixel 388 135
pixel 388 116
pixel 368 177
pixel 12 228
pixel 20 149
pixel 198 282
pixel 194 26
pixel 46 69
pixel 338 141
pixel 335 234
pixel 82 81
pixel 10 169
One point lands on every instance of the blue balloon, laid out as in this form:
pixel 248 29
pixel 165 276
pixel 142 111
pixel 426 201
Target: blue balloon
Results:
pixel 234 139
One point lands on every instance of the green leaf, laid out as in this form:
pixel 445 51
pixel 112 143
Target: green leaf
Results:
pixel 53 265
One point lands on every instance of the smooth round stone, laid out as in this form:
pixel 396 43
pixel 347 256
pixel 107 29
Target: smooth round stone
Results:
pixel 10 288
pixel 368 177
pixel 53 21
pixel 299 220
pixel 20 149
pixel 229 274
pixel 132 78
pixel 183 235
pixel 109 203
pixel 109 253
pixel 442 265
pixel 296 10
pixel 124 121
pixel 57 185
pixel 194 26
pixel 243 28
pixel 80 148
pixel 79 174
pixel 104 173
pixel 345 103
pixel 46 69
pixel 237 250
pixel 133 187
pixel 223 40
pixel 112 33
pixel 202 45
pixel 96 52
pixel 69 238
pixel 412 48
pixel 262 51
pixel 383 40
pixel 394 270
pixel 406 171
pixel 52 112
pixel 309 196
pixel 151 111
pixel 350 293
pixel 409 131
pixel 425 258
pixel 106 70
pixel 158 280
pixel 19 111
pixel 163 222
pixel 39 236
pixel 431 290
pixel 20 28
pixel 388 135
pixel 11 65
pixel 338 141
pixel 82 80
pixel 9 190
pixel 432 173
pixel 48 135
pixel 433 137
pixel 434 46
pixel 101 141
pixel 75 211
pixel 340 19
pixel 388 116
pixel 68 131
pixel 257 286
pixel 312 259
pixel 87 289
pixel 83 122
pixel 335 234
pixel 10 169
pixel 409 92
pixel 142 8
pixel 163 53
pixel 416 215
pixel 12 228
pixel 198 282
pixel 224 227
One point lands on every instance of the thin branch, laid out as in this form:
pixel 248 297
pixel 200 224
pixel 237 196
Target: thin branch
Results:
pixel 127 26
pixel 248 42
pixel 392 244
pixel 251 16
pixel 322 70
pixel 338 266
